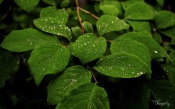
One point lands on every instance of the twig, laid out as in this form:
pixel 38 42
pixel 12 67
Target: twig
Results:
pixel 87 12
pixel 93 75
pixel 79 17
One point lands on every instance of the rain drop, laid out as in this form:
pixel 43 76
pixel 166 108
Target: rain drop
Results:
pixel 156 51
pixel 43 69
pixel 141 73
pixel 110 68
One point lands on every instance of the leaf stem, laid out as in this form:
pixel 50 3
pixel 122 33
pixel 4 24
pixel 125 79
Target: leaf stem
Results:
pixel 79 17
pixel 87 12
pixel 93 74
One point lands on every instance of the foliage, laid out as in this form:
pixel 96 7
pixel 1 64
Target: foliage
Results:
pixel 91 54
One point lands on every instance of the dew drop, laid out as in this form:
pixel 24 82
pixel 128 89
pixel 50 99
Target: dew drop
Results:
pixel 141 73
pixel 110 68
pixel 156 51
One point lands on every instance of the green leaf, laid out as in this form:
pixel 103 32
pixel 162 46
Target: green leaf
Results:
pixel 155 49
pixel 170 72
pixel 86 96
pixel 65 3
pixel 112 35
pixel 107 9
pixel 76 31
pixel 27 5
pixel 53 26
pixel 126 4
pixel 8 65
pixel 139 11
pixel 50 11
pixel 157 37
pixel 172 56
pixel 160 2
pixel 160 21
pixel 171 68
pixel 48 59
pixel 26 39
pixel 71 78
pixel 107 6
pixel 169 32
pixel 108 23
pixel 87 27
pixel 172 41
pixel 140 26
pixel 88 47
pixel 50 2
pixel 123 65
pixel 163 92
pixel 132 47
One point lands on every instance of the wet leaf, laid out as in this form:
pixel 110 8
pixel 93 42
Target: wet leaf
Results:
pixel 139 11
pixel 160 2
pixel 108 23
pixel 87 27
pixel 86 96
pixel 88 47
pixel 170 72
pixel 170 68
pixel 27 5
pixel 132 47
pixel 48 59
pixel 169 32
pixel 65 3
pixel 140 26
pixel 123 65
pixel 107 6
pixel 157 37
pixel 160 21
pixel 50 2
pixel 172 41
pixel 58 14
pixel 155 49
pixel 53 26
pixel 76 31
pixel 26 39
pixel 71 78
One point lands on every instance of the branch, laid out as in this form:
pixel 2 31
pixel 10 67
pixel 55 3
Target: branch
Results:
pixel 93 74
pixel 87 12
pixel 79 17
